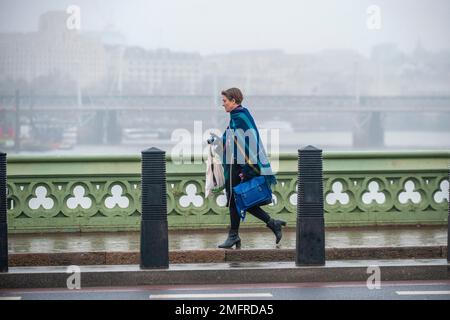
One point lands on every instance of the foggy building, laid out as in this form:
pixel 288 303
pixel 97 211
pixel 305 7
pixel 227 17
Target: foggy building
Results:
pixel 159 71
pixel 54 50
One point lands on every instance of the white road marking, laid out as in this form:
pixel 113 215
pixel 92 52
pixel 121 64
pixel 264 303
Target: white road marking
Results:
pixel 210 295
pixel 417 293
pixel 10 298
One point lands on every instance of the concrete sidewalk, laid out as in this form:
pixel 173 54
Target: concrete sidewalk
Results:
pixel 200 246
pixel 227 273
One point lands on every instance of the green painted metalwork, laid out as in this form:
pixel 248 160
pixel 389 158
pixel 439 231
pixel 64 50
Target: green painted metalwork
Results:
pixel 102 193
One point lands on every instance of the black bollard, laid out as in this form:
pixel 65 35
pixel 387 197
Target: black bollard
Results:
pixel 3 221
pixel 310 241
pixel 154 228
pixel 448 220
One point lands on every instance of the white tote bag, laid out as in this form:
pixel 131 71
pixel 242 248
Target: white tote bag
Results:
pixel 214 172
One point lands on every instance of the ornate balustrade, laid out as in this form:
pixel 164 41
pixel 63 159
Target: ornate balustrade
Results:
pixel 102 193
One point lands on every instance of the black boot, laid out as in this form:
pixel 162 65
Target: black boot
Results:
pixel 275 226
pixel 233 239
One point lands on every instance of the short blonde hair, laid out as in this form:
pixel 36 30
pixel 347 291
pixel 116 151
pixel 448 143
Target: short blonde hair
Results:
pixel 233 94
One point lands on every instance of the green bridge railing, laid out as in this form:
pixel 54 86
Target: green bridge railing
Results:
pixel 102 193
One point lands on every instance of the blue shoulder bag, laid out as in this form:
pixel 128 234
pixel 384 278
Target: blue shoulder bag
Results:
pixel 254 192
pixel 251 193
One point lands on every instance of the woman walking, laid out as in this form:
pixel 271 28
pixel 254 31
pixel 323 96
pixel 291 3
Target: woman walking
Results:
pixel 236 147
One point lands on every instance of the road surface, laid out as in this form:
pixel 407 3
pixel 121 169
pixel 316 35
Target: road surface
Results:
pixel 398 290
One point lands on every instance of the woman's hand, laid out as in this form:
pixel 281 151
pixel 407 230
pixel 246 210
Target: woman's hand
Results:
pixel 213 134
pixel 215 137
pixel 217 144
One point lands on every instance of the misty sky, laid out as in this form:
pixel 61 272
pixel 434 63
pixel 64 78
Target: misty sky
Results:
pixel 209 26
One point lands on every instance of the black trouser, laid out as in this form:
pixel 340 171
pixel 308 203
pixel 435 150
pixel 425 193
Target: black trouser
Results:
pixel 235 219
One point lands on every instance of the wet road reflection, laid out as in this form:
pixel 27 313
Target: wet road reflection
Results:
pixel 208 239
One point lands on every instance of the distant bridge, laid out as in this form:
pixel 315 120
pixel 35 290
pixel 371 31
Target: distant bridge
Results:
pixel 103 116
pixel 201 103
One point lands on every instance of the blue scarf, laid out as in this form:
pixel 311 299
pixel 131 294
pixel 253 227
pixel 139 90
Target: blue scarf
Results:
pixel 255 157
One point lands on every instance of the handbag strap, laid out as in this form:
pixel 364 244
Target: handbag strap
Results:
pixel 247 160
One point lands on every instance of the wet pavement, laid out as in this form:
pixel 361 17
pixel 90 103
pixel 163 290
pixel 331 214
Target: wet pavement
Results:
pixel 208 239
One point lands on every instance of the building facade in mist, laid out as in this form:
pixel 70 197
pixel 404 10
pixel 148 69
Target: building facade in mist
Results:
pixel 136 70
pixel 52 51
pixel 57 60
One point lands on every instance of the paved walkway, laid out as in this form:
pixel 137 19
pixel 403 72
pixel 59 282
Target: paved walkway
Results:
pixel 208 239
